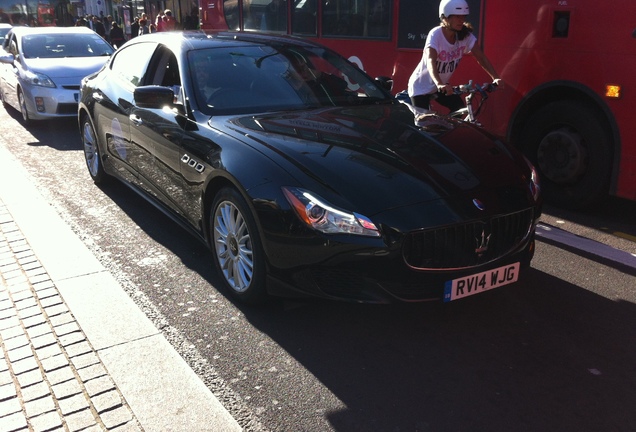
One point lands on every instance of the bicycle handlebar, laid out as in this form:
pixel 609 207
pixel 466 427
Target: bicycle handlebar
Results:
pixel 475 88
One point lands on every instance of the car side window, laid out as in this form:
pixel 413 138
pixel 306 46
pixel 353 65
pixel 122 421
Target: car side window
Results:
pixel 165 69
pixel 165 72
pixel 13 46
pixel 131 62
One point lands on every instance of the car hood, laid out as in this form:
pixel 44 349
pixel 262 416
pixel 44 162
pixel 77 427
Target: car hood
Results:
pixel 377 158
pixel 66 68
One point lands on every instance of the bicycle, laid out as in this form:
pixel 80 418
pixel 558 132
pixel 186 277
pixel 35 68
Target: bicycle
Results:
pixel 469 113
pixel 430 120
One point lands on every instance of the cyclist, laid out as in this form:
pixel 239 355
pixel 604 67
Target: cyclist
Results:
pixel 445 45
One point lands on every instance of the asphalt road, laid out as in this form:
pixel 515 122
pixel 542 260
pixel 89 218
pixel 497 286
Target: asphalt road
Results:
pixel 554 352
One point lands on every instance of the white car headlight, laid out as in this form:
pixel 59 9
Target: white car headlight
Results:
pixel 318 214
pixel 39 79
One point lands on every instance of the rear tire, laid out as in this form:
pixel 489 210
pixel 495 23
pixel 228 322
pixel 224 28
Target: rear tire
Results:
pixel 568 145
pixel 236 246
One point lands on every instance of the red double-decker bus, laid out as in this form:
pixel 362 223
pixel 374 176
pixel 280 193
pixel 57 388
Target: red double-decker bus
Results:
pixel 568 68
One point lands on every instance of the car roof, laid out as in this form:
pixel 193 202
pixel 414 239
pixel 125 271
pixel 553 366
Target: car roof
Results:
pixel 20 31
pixel 5 25
pixel 197 39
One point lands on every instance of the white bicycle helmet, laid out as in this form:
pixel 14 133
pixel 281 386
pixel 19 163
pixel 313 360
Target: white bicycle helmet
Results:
pixel 453 7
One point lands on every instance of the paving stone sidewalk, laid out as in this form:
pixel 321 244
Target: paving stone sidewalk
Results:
pixel 51 379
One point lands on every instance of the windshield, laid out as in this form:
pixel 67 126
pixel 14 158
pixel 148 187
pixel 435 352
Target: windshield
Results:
pixel 64 45
pixel 265 78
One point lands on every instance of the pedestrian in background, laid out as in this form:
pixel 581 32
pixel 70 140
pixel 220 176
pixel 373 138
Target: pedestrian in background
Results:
pixel 169 23
pixel 134 28
pixel 108 25
pixel 117 37
pixel 191 22
pixel 143 27
pixel 159 22
pixel 98 27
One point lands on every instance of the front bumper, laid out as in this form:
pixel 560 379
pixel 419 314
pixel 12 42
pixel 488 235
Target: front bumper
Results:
pixel 46 103
pixel 384 279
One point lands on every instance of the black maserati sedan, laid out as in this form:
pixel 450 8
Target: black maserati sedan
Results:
pixel 305 176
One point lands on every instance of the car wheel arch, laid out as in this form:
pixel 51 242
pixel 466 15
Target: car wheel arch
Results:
pixel 81 115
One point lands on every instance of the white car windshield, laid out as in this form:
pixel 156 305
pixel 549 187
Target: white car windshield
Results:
pixel 64 45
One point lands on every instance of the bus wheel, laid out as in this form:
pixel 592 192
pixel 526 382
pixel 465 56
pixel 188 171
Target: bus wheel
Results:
pixel 567 144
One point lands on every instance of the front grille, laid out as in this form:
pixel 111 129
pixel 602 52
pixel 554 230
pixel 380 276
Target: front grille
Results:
pixel 71 87
pixel 67 108
pixel 467 245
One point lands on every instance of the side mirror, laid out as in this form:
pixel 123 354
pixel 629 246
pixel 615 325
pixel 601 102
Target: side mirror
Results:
pixel 154 97
pixel 385 82
pixel 6 57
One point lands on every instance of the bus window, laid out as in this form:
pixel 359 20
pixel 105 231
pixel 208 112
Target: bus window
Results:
pixel 231 14
pixel 273 16
pixel 361 18
pixel 304 18
pixel 417 17
pixel 358 19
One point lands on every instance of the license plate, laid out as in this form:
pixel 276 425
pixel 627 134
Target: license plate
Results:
pixel 480 282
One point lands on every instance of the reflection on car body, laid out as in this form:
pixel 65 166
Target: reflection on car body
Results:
pixel 42 68
pixel 307 188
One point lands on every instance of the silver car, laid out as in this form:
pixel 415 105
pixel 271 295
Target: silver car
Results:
pixel 41 69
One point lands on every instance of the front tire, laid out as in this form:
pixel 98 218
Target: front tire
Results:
pixel 2 99
pixel 568 145
pixel 26 120
pixel 92 153
pixel 236 246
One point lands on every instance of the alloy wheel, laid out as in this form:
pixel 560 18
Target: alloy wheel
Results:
pixel 91 153
pixel 233 246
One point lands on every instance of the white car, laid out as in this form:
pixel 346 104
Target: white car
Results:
pixel 42 68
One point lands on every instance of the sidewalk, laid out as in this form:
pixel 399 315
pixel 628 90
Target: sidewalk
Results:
pixel 76 353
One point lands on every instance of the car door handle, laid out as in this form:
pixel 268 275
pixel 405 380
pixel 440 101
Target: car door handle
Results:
pixel 135 119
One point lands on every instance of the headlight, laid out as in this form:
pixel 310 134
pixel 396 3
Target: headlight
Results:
pixel 535 184
pixel 318 214
pixel 39 79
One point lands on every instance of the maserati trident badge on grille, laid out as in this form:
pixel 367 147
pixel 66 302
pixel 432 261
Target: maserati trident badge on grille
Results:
pixel 482 240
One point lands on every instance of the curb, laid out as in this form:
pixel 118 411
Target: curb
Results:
pixel 160 389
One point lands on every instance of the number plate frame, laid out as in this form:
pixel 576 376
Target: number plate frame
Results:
pixel 467 286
